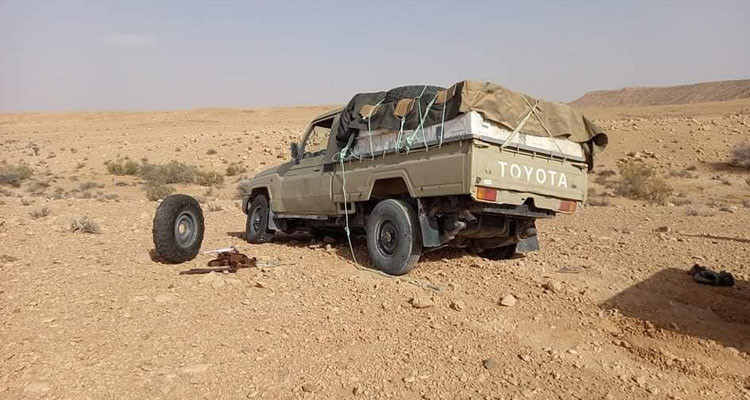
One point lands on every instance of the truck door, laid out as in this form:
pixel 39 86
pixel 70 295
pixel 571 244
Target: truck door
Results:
pixel 305 187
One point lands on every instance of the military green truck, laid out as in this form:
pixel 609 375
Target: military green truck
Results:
pixel 419 168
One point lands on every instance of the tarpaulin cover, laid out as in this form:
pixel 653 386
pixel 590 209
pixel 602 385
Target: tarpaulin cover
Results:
pixel 393 110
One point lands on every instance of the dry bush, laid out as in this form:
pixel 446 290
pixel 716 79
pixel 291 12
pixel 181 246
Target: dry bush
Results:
pixel 603 175
pixel 27 201
pixel 87 186
pixel 122 167
pixel 682 173
pixel 639 181
pixel 13 175
pixel 37 186
pixel 5 192
pixel 215 207
pixel 169 173
pixel 157 192
pixel 40 213
pixel 243 188
pixel 598 202
pixel 208 178
pixel 739 156
pixel 84 225
pixel 235 169
pixel 682 201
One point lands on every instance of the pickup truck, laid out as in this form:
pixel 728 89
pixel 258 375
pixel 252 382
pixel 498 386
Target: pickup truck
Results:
pixel 471 192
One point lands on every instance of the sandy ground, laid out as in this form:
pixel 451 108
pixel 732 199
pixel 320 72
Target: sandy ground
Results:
pixel 605 310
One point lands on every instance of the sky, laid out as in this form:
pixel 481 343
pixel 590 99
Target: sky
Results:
pixel 143 55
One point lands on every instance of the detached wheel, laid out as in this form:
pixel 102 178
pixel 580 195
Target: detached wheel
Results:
pixel 500 253
pixel 178 228
pixel 394 238
pixel 256 228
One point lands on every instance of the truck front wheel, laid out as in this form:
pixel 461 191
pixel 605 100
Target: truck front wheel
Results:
pixel 256 228
pixel 394 238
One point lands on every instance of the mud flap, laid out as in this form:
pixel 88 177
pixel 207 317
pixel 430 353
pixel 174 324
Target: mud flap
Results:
pixel 429 227
pixel 528 244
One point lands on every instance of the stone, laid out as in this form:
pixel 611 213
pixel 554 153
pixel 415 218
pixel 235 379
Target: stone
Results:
pixel 488 363
pixel 421 302
pixel 458 305
pixel 663 229
pixel 309 387
pixel 508 300
pixel 261 285
pixel 552 286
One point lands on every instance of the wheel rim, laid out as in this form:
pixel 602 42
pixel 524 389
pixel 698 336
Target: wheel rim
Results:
pixel 185 230
pixel 387 238
pixel 256 219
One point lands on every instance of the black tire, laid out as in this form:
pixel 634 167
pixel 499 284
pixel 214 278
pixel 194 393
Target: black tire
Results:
pixel 178 228
pixel 500 253
pixel 394 238
pixel 411 92
pixel 256 228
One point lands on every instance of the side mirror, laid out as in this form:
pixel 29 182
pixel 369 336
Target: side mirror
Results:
pixel 294 149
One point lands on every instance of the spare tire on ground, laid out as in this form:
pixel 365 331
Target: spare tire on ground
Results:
pixel 178 228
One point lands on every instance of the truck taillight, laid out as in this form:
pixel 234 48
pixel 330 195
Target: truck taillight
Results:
pixel 567 206
pixel 487 194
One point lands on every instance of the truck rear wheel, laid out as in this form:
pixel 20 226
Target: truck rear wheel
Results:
pixel 256 228
pixel 394 238
pixel 178 228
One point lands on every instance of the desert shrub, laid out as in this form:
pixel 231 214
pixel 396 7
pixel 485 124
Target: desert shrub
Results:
pixel 208 178
pixel 215 207
pixel 682 201
pixel 87 186
pixel 26 201
pixel 169 173
pixel 598 202
pixel 40 213
pixel 158 192
pixel 13 175
pixel 235 169
pixel 739 156
pixel 84 225
pixel 37 186
pixel 243 188
pixel 5 192
pixel 681 173
pixel 122 167
pixel 639 181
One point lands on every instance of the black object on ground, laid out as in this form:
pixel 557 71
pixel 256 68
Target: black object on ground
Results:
pixel 227 261
pixel 178 228
pixel 707 276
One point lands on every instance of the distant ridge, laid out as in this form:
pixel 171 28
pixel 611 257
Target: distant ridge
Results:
pixel 652 96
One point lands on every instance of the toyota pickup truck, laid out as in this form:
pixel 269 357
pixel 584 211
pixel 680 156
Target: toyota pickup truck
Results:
pixel 467 182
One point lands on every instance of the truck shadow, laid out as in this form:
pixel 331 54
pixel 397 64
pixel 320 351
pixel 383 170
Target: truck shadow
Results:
pixel 671 300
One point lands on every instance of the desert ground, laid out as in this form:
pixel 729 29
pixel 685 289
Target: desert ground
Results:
pixel 605 310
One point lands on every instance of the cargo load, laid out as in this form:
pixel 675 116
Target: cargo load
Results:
pixel 411 117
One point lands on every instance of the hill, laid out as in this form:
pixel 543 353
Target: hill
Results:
pixel 682 94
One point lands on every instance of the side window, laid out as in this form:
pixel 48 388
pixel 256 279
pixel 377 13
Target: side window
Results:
pixel 317 140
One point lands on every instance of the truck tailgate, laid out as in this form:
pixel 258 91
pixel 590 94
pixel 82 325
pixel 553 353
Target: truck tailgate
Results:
pixel 523 172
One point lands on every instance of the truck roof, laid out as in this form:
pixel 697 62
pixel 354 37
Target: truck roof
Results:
pixel 328 114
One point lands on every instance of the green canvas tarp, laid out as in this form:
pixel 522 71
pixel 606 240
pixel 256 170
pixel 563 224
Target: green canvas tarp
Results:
pixel 408 107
